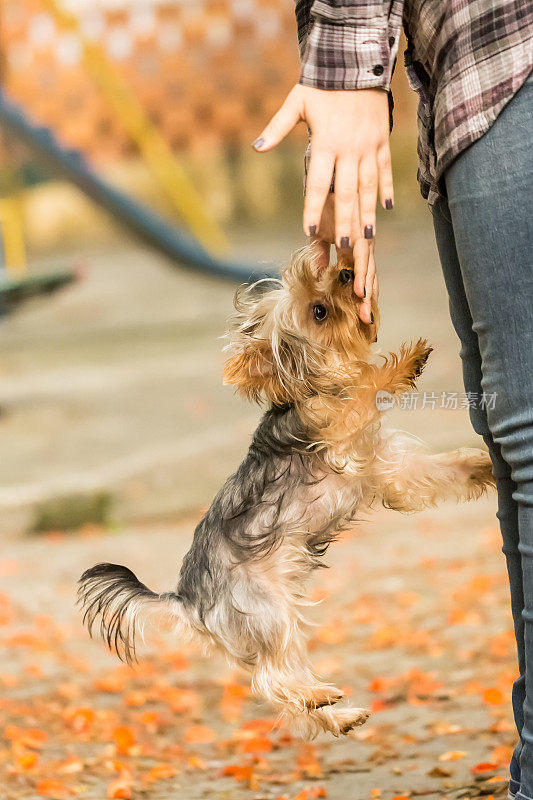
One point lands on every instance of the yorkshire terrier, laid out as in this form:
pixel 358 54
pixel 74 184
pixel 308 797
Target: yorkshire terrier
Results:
pixel 320 455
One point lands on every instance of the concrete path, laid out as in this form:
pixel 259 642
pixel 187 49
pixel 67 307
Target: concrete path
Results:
pixel 113 387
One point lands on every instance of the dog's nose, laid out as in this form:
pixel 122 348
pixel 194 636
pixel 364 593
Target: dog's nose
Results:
pixel 346 276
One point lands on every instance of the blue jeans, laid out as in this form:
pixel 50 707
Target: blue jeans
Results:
pixel 484 234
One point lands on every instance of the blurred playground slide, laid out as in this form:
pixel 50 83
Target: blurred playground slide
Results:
pixel 138 218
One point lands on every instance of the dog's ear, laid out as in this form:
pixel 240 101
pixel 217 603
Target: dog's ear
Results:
pixel 254 374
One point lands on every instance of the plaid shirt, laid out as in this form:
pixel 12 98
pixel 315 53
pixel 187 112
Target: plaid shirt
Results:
pixel 465 58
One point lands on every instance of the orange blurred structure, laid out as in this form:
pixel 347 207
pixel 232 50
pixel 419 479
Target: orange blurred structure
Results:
pixel 208 73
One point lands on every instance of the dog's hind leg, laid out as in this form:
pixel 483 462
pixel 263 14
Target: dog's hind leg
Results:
pixel 272 634
pixel 306 703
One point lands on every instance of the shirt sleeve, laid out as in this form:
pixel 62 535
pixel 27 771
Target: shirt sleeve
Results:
pixel 348 44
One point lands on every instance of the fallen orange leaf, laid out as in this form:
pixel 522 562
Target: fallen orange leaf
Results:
pixel 24 759
pixel 502 754
pixel 180 700
pixel 34 738
pixel 135 699
pixel 150 719
pixel 260 744
pixel 199 734
pixel 378 684
pixel 158 772
pixel 485 766
pixel 452 755
pixel 111 683
pixel 119 789
pixel 493 696
pixel 31 737
pixel 307 761
pixel 239 772
pixel 379 705
pixel 81 718
pixel 177 660
pixel 260 726
pixel 118 766
pixel 51 787
pixel 70 765
pixel 331 634
pixel 303 795
pixel 195 762
pixel 232 700
pixel 124 738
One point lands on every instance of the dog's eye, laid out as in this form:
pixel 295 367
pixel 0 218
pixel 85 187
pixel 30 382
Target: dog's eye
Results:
pixel 346 276
pixel 320 312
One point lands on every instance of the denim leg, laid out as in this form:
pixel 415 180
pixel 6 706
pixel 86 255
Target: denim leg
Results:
pixel 490 205
pixel 507 506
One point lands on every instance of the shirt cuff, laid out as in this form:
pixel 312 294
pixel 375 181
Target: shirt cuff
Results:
pixel 347 57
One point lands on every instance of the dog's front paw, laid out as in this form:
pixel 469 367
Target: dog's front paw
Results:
pixel 405 367
pixel 418 356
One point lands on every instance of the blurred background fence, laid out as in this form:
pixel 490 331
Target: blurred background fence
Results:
pixel 207 72
pixel 203 77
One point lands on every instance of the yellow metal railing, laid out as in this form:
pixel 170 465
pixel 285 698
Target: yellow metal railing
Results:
pixel 153 147
pixel 13 253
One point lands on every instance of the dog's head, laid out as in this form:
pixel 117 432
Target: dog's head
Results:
pixel 294 337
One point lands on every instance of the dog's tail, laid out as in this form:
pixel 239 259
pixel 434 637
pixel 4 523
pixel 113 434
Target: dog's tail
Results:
pixel 116 596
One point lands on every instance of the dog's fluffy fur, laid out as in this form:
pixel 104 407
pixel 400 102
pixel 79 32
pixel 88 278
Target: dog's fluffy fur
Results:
pixel 320 454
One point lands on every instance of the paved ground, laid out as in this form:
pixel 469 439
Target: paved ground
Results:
pixel 114 385
pixel 414 622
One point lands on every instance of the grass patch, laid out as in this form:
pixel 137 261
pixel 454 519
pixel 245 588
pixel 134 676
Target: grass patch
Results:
pixel 72 512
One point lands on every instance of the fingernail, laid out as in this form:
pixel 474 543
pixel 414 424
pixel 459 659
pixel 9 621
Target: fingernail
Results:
pixel 369 232
pixel 345 242
pixel 312 230
pixel 259 142
pixel 371 317
pixel 364 291
pixel 388 204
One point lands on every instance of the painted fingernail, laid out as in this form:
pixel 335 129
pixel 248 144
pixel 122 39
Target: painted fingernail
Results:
pixel 388 204
pixel 345 242
pixel 369 232
pixel 259 142
pixel 312 230
pixel 371 317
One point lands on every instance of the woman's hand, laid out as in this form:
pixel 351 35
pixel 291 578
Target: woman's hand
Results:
pixel 349 135
pixel 327 238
